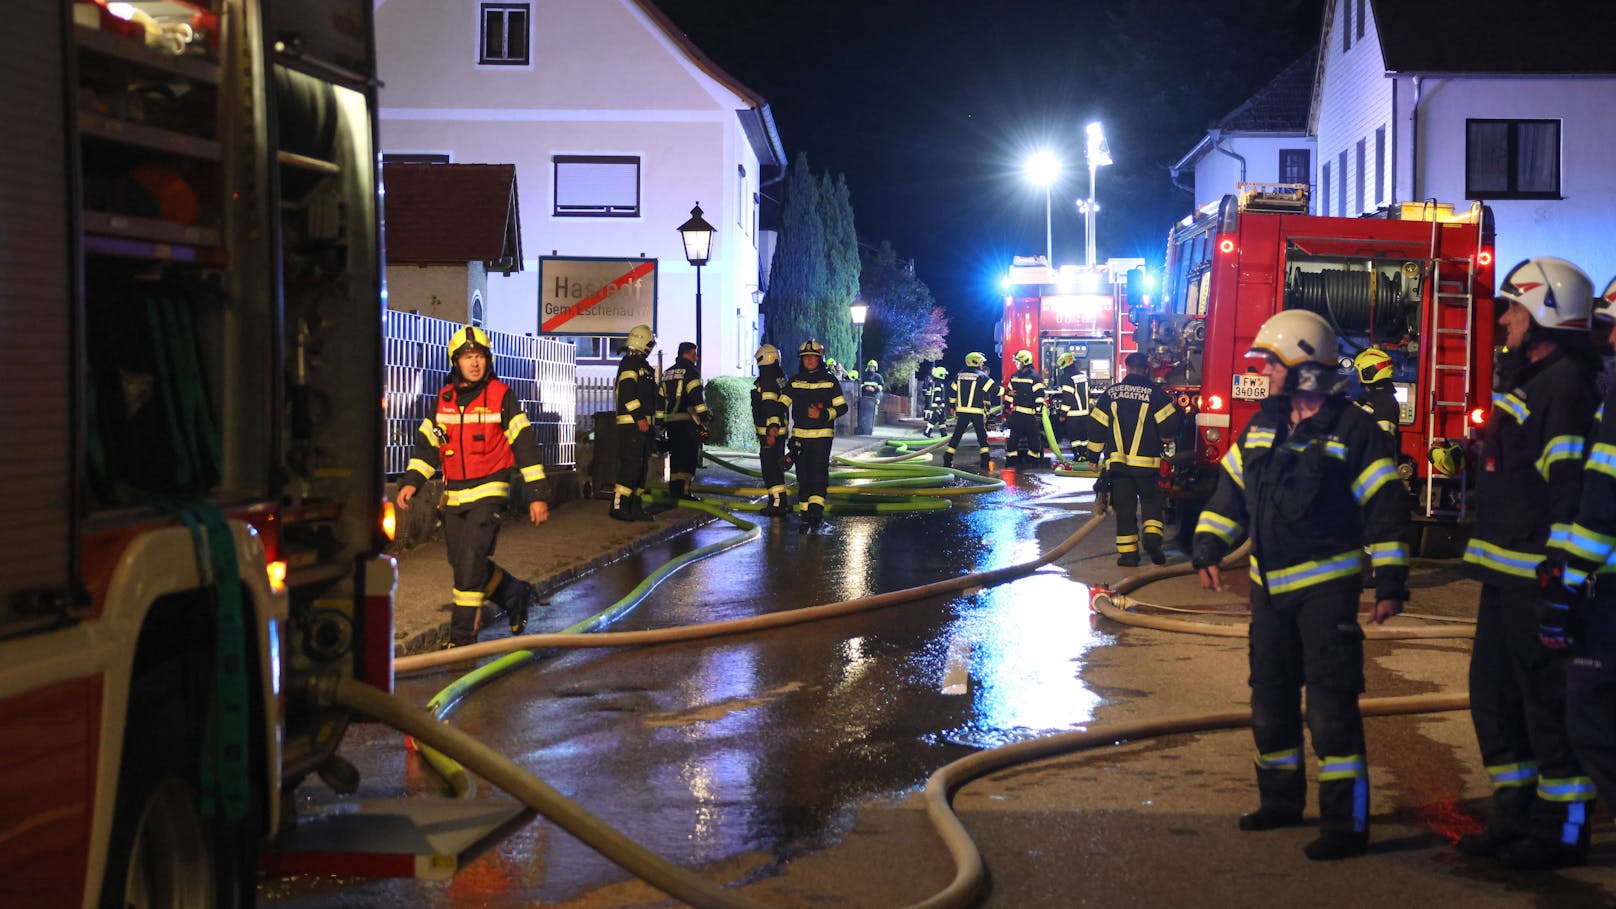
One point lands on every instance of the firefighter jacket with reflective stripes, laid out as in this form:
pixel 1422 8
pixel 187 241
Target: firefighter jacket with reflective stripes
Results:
pixel 767 409
pixel 683 398
pixel 1529 481
pixel 871 385
pixel 1590 545
pixel 937 394
pixel 1024 391
pixel 1380 402
pixel 477 435
pixel 1074 392
pixel 1311 498
pixel 636 389
pixel 973 391
pixel 1130 421
pixel 807 389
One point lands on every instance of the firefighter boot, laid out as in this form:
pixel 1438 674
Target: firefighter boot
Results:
pixel 1153 548
pixel 1538 853
pixel 1512 810
pixel 984 465
pixel 948 459
pixel 636 509
pixel 1337 844
pixel 622 505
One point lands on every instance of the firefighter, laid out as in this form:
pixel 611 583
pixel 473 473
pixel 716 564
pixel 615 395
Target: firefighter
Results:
pixel 969 397
pixel 814 399
pixel 869 398
pixel 1374 369
pixel 1074 404
pixel 1604 320
pixel 636 409
pixel 1127 427
pixel 1024 401
pixel 1312 481
pixel 476 436
pixel 684 413
pixel 769 416
pixel 1527 495
pixel 936 402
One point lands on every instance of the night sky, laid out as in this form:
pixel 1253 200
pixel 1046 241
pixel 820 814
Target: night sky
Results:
pixel 930 107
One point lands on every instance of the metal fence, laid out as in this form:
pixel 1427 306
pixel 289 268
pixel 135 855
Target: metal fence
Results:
pixel 595 394
pixel 540 372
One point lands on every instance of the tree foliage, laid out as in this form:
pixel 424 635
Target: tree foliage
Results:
pixel 841 270
pixel 905 325
pixel 798 276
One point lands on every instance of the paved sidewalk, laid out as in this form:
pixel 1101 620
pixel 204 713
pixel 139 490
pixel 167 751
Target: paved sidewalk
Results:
pixel 577 539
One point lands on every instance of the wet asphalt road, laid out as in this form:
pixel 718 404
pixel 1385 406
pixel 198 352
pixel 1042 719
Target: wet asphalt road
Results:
pixel 758 749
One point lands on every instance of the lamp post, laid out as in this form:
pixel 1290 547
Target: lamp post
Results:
pixel 860 311
pixel 698 237
pixel 1043 169
pixel 1098 154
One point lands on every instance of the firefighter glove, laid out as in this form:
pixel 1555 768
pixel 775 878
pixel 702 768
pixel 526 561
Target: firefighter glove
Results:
pixel 1557 604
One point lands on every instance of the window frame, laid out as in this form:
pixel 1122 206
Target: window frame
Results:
pixel 484 8
pixel 1324 189
pixel 1346 27
pixel 1341 183
pixel 1361 160
pixel 1512 161
pixel 1359 25
pixel 596 211
pixel 1380 165
pixel 1306 165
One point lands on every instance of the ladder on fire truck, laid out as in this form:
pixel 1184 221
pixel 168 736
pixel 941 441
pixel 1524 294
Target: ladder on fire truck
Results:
pixel 1448 358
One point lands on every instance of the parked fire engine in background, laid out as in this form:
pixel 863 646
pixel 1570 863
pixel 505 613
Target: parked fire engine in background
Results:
pixel 1414 281
pixel 195 524
pixel 1073 311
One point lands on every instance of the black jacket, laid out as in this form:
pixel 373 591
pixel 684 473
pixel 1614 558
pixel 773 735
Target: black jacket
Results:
pixel 1530 477
pixel 1115 423
pixel 1074 392
pixel 767 409
pixel 973 391
pixel 1024 391
pixel 1310 498
pixel 1380 402
pixel 683 396
pixel 636 389
pixel 807 389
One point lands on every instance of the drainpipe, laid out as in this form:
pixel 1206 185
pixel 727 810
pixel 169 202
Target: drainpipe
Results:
pixel 1217 145
pixel 1414 143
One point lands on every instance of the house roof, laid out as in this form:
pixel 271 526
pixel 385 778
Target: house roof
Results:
pixel 757 120
pixel 1553 37
pixel 452 213
pixel 1280 106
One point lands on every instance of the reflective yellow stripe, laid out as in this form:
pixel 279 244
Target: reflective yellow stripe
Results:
pixel 1379 472
pixel 795 383
pixel 675 417
pixel 1312 573
pixel 1100 417
pixel 421 467
pixel 533 473
pixel 517 424
pixel 1504 561
pixel 1344 767
pixel 1509 776
pixel 826 433
pixel 624 419
pixel 1226 529
pixel 627 375
pixel 1234 464
pixel 449 418
pixel 1289 759
pixel 472 598
pixel 426 429
pixel 1151 525
pixel 692 385
pixel 1138 431
pixel 1386 554
pixel 1167 410
pixel 1133 460
pixel 1020 409
pixel 1560 448
pixel 632 405
pixel 498 488
pixel 1566 789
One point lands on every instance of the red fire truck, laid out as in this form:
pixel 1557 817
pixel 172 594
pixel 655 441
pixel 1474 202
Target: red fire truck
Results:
pixel 1070 310
pixel 190 257
pixel 1415 280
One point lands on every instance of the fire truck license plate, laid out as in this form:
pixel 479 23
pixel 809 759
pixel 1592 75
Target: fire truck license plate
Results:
pixel 1250 387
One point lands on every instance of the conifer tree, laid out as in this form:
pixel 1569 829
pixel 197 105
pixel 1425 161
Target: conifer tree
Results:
pixel 797 277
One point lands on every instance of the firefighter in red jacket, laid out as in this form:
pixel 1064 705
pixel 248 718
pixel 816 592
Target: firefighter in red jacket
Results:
pixel 1527 495
pixel 1311 480
pixel 475 437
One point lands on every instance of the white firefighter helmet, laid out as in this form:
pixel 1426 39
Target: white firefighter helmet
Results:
pixel 767 355
pixel 812 348
pixel 640 339
pixel 1556 293
pixel 469 336
pixel 1297 336
pixel 1605 306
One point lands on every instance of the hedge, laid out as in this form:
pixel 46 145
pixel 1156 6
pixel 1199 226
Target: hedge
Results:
pixel 730 400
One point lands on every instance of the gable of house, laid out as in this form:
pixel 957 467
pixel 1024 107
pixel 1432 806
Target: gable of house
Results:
pixel 452 213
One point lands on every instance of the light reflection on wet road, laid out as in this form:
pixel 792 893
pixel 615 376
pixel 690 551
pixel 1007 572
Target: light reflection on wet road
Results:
pixel 760 747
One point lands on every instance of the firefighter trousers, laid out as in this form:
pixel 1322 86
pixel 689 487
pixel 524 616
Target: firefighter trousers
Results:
pixel 633 459
pixel 1591 693
pixel 469 534
pixel 1518 706
pixel 1310 637
pixel 813 476
pixel 978 423
pixel 1023 441
pixel 684 451
pixel 774 472
pixel 866 416
pixel 1074 435
pixel 1136 490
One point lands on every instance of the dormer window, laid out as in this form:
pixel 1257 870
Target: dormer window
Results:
pixel 506 34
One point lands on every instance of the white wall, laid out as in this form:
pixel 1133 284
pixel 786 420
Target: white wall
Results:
pixel 1580 226
pixel 1356 100
pixel 1216 173
pixel 604 80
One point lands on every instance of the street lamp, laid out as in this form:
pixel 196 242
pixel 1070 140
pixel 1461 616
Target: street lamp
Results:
pixel 860 310
pixel 1098 154
pixel 1043 169
pixel 698 237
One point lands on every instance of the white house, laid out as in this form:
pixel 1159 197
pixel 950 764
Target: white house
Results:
pixel 617 125
pixel 1264 140
pixel 1420 99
